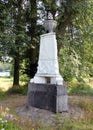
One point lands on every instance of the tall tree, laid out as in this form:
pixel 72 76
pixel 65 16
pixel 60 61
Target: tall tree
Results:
pixel 33 34
pixel 19 37
pixel 21 25
pixel 12 40
pixel 76 41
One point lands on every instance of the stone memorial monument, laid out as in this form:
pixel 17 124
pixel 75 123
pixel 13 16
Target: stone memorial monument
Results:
pixel 47 90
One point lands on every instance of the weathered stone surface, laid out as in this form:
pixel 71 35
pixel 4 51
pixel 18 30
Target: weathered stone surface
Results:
pixel 48 61
pixel 47 89
pixel 47 96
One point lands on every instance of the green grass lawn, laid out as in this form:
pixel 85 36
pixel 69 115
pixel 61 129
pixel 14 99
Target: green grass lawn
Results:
pixel 5 83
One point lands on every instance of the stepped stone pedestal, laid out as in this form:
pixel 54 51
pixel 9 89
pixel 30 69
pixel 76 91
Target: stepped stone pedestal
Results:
pixel 47 90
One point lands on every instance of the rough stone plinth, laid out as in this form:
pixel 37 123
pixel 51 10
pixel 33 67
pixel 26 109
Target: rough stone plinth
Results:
pixel 48 96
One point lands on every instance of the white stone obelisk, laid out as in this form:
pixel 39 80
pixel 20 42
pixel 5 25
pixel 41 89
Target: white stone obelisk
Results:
pixel 47 90
pixel 48 69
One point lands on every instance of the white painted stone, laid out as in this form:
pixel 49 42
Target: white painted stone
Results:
pixel 32 80
pixel 57 80
pixel 39 79
pixel 48 47
pixel 48 61
pixel 48 67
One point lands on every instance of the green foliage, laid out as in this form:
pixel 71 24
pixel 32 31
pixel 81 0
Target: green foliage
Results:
pixel 75 46
pixel 79 89
pixel 69 62
pixel 7 121
pixel 20 29
pixel 8 125
pixel 5 29
pixel 24 79
pixel 2 95
pixel 18 90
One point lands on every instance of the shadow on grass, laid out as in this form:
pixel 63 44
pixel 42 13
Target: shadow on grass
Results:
pixel 18 90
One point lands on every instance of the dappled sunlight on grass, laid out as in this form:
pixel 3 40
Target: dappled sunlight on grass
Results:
pixel 5 83
pixel 90 82
pixel 80 88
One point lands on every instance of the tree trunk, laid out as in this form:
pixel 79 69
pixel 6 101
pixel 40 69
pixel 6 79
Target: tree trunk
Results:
pixel 33 34
pixel 16 70
pixel 17 54
pixel 33 19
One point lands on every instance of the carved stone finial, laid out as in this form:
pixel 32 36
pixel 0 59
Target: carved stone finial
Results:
pixel 50 24
pixel 50 16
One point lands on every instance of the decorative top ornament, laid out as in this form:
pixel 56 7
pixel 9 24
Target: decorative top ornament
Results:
pixel 50 16
pixel 50 24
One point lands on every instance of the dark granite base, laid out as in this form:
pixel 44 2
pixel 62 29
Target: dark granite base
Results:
pixel 47 96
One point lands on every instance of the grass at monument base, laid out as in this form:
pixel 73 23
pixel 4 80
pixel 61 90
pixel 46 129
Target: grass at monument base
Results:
pixel 9 121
